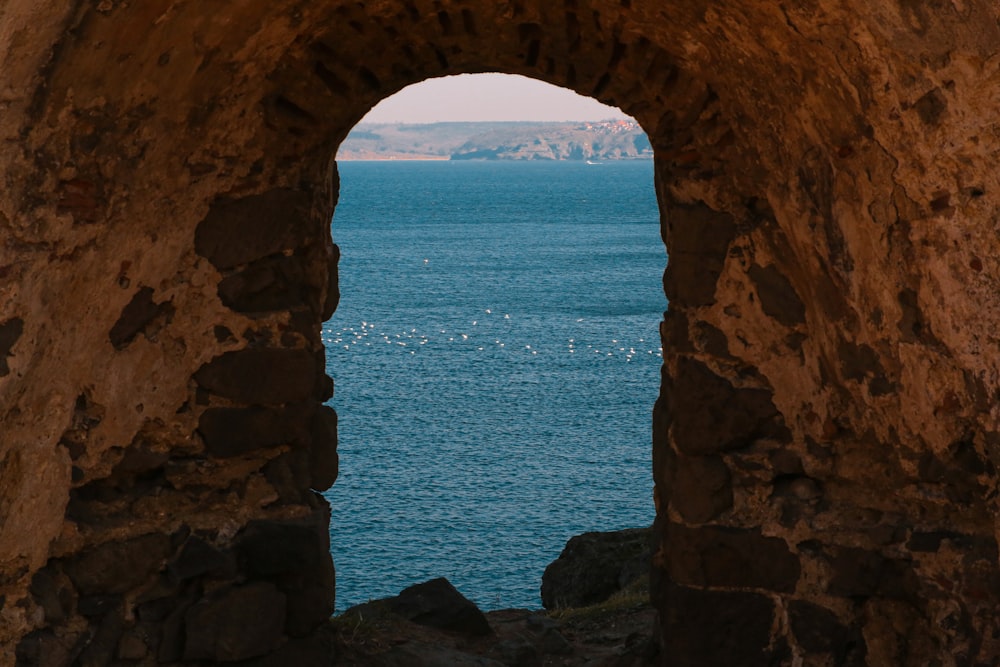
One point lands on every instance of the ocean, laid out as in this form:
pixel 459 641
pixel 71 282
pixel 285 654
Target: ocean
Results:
pixel 496 358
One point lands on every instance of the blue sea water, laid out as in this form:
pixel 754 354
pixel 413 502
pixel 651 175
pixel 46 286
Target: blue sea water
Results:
pixel 496 360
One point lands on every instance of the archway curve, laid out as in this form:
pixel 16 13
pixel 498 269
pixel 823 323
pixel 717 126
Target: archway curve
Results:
pixel 172 154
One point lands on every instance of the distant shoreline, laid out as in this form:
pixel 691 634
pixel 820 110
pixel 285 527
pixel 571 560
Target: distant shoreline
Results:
pixel 449 159
pixel 601 141
pixel 407 158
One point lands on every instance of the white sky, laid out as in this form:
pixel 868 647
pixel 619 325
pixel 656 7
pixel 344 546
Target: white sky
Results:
pixel 487 97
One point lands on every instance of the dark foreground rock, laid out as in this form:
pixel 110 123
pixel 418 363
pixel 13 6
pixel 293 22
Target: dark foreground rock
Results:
pixel 436 604
pixel 433 625
pixel 595 566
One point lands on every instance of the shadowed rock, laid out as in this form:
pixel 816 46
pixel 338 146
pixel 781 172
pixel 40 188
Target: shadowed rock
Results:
pixel 594 566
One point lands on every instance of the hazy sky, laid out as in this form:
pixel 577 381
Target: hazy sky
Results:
pixel 472 97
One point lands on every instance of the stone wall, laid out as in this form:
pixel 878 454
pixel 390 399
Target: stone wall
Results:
pixel 825 439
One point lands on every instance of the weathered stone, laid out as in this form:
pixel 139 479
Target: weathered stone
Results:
pixel 818 630
pixel 778 297
pixel 101 648
pixel 10 332
pixel 437 604
pixel 702 488
pixel 234 431
pixel 858 361
pixel 197 558
pixel 136 316
pixel 43 647
pixel 699 239
pixel 235 624
pixel 53 593
pixel 860 573
pixel 428 655
pixel 95 606
pixel 846 145
pixel 333 283
pixel 265 376
pixel 730 557
pixel 171 647
pixel 324 463
pixel 239 231
pixel 132 647
pixel 710 415
pixel 709 627
pixel 295 556
pixel 268 548
pixel 289 474
pixel 116 567
pixel 317 649
pixel 267 285
pixel 594 566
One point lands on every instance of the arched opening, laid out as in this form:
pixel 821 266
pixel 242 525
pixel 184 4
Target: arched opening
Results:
pixel 824 440
pixel 497 355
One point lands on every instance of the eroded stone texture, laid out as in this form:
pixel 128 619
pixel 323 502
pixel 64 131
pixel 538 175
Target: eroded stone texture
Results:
pixel 827 427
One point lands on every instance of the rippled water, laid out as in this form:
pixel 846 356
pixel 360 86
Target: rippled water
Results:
pixel 496 359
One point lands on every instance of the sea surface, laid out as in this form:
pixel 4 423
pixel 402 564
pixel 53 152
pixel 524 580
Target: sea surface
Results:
pixel 496 360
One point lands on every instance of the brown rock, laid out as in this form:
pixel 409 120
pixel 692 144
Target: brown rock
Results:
pixel 117 567
pixel 235 624
pixel 239 231
pixel 710 415
pixel 265 376
pixel 436 604
pixel 594 566
pixel 235 431
pixel 730 557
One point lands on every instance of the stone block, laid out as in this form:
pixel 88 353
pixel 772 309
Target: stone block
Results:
pixel 730 557
pixel 332 283
pixel 860 573
pixel 235 623
pixel 778 298
pixel 135 317
pixel 118 567
pixel 53 592
pixel 316 649
pixel 818 630
pixel 239 231
pixel 698 239
pixel 262 376
pixel 707 627
pixel 234 431
pixel 269 548
pixel 198 557
pixel 702 488
pixel 324 463
pixel 295 556
pixel 289 474
pixel 268 285
pixel 102 646
pixel 710 415
pixel 10 332
pixel 42 648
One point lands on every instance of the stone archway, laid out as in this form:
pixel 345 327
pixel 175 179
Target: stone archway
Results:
pixel 825 440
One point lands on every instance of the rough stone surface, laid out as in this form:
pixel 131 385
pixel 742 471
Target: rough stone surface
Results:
pixel 235 624
pixel 261 376
pixel 436 604
pixel 594 566
pixel 825 172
